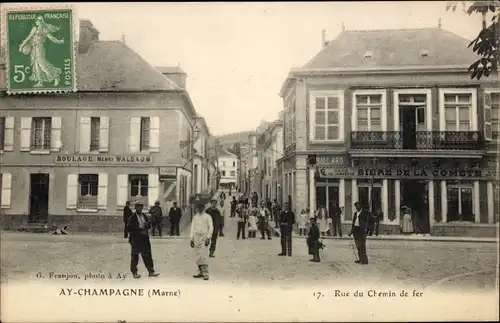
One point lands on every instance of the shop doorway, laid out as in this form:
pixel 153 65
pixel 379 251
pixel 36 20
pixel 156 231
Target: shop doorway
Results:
pixel 412 120
pixel 326 193
pixel 39 198
pixel 414 194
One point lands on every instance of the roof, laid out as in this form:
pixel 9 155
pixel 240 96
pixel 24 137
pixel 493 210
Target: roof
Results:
pixel 222 152
pixel 400 47
pixel 170 70
pixel 113 66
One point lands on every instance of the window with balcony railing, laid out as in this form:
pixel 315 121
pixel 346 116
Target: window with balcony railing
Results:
pixel 491 115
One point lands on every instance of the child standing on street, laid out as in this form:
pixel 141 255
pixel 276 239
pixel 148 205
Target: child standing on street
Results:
pixel 201 230
pixel 252 224
pixel 313 241
pixel 302 222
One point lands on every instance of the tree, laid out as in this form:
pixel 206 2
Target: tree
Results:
pixel 486 44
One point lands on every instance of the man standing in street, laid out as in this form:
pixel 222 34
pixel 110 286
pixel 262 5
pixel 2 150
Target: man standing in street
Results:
pixel 127 212
pixel 234 204
pixel 175 215
pixel 138 226
pixel 276 209
pixel 156 218
pixel 359 231
pixel 287 220
pixel 214 212
pixel 222 211
pixel 263 216
pixel 335 213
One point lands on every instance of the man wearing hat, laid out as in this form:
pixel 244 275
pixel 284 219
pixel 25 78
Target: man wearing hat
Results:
pixel 138 226
pixel 358 229
pixel 175 215
pixel 156 218
pixel 214 212
pixel 202 229
pixel 313 243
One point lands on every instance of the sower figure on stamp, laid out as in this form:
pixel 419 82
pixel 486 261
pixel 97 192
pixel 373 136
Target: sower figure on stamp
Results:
pixel 287 220
pixel 174 215
pixel 138 226
pixel 214 212
pixel 127 212
pixel 201 230
pixel 156 218
pixel 359 221
pixel 313 243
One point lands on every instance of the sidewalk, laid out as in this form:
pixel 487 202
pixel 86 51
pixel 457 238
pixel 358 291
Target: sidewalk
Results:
pixel 414 237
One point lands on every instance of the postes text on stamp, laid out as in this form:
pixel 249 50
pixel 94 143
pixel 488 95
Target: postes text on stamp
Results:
pixel 40 55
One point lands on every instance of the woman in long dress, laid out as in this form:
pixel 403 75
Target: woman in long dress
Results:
pixel 406 221
pixel 41 70
pixel 322 218
pixel 302 221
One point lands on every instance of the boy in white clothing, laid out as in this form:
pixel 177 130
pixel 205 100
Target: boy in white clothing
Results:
pixel 252 223
pixel 201 230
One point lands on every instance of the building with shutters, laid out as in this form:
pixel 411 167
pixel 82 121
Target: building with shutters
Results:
pixel 228 168
pixel 270 150
pixel 76 158
pixel 395 119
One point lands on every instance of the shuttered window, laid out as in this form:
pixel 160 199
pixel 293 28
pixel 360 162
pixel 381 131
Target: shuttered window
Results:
pixel 145 129
pixel 2 132
pixel 41 133
pixel 88 191
pixel 5 190
pixel 95 133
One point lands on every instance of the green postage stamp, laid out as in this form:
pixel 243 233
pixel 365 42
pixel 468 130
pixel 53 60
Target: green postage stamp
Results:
pixel 40 50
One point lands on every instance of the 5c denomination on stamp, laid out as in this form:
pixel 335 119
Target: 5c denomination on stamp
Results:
pixel 40 50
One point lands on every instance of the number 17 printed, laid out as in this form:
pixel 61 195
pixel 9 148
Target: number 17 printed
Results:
pixel 40 51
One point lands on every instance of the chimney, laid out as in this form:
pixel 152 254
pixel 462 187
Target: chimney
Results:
pixel 324 42
pixel 439 23
pixel 174 74
pixel 123 38
pixel 89 35
pixel 342 27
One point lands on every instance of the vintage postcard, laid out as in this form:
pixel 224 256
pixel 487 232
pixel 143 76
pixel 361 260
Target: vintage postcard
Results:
pixel 244 162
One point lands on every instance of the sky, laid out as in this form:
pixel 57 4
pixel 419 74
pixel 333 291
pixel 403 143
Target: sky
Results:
pixel 238 55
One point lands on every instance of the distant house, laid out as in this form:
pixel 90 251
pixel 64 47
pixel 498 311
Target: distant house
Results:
pixel 228 168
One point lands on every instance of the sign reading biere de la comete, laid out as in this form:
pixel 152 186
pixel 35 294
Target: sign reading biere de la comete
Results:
pixel 103 159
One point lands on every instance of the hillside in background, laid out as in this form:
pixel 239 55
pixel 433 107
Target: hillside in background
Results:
pixel 230 139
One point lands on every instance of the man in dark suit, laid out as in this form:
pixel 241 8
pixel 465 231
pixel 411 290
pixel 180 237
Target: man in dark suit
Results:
pixel 214 212
pixel 127 212
pixel 358 229
pixel 156 218
pixel 335 213
pixel 287 220
pixel 138 226
pixel 174 215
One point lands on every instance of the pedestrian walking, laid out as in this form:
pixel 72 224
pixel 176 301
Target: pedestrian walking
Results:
pixel 313 243
pixel 214 212
pixel 127 212
pixel 321 217
pixel 201 230
pixel 252 223
pixel 263 218
pixel 276 210
pixel 156 218
pixel 336 215
pixel 302 222
pixel 138 226
pixel 374 222
pixel 241 218
pixel 358 229
pixel 174 215
pixel 222 210
pixel 406 221
pixel 287 220
pixel 234 204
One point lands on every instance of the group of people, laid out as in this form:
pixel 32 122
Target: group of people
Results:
pixel 327 221
pixel 156 218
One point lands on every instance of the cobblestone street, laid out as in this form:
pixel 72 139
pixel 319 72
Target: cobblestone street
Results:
pixel 255 261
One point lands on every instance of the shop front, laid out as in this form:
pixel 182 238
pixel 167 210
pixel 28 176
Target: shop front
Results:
pixel 442 195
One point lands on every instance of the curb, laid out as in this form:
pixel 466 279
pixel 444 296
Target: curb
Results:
pixel 406 238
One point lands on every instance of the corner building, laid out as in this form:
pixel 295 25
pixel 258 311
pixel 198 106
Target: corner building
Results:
pixel 76 158
pixel 394 119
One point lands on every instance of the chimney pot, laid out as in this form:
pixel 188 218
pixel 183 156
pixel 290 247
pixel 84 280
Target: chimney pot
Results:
pixel 342 27
pixel 89 35
pixel 439 23
pixel 323 38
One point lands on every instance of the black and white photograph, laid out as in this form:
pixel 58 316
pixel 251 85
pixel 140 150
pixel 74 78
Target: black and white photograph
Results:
pixel 249 161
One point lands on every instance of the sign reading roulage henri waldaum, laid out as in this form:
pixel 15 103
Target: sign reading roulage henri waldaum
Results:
pixel 40 55
pixel 398 173
pixel 103 160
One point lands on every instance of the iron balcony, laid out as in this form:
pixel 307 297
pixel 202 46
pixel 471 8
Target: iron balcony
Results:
pixel 420 140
